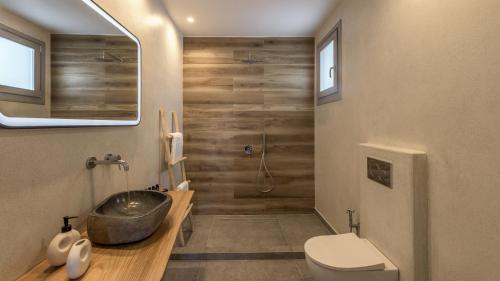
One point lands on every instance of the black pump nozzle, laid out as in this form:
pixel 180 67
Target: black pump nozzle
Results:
pixel 67 227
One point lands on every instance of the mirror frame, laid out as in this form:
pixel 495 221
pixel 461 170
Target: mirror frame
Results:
pixel 28 122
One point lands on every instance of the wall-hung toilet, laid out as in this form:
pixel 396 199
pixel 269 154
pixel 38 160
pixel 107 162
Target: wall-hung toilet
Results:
pixel 346 257
pixel 393 209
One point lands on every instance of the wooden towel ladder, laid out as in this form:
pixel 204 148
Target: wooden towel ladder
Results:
pixel 166 139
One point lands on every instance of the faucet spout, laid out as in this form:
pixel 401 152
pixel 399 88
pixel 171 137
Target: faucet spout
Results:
pixel 109 159
pixel 124 164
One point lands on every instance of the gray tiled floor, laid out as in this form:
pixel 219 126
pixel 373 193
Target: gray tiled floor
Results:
pixel 246 234
pixel 254 233
pixel 255 270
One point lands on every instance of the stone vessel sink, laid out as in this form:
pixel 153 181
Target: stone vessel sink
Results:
pixel 117 220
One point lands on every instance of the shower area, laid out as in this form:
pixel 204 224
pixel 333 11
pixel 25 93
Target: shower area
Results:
pixel 249 139
pixel 249 124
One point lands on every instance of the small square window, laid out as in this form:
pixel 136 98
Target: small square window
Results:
pixel 329 67
pixel 18 65
pixel 21 67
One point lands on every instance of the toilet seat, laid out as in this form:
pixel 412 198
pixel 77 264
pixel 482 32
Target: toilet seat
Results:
pixel 344 252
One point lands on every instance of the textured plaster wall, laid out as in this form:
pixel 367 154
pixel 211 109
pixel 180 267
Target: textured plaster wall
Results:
pixel 42 172
pixel 421 74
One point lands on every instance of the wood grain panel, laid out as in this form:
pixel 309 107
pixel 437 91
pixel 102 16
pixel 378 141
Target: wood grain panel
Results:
pixel 210 44
pixel 292 56
pixel 222 70
pixel 242 97
pixel 228 103
pixel 86 84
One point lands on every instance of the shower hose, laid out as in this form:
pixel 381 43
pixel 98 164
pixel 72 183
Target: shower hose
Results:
pixel 265 181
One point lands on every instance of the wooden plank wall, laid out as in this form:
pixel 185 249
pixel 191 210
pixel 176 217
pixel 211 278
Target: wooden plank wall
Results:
pixel 84 85
pixel 228 104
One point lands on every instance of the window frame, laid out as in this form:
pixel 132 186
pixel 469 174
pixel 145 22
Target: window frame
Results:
pixel 333 93
pixel 13 94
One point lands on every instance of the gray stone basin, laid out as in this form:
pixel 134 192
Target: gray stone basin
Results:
pixel 116 220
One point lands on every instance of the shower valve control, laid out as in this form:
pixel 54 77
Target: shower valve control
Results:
pixel 248 149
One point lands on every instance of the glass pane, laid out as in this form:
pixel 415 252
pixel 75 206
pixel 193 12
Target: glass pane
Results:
pixel 326 58
pixel 17 65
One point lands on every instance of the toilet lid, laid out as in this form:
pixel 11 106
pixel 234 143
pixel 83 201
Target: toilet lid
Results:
pixel 344 252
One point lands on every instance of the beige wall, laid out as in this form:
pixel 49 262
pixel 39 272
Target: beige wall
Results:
pixel 43 174
pixel 421 74
pixel 18 109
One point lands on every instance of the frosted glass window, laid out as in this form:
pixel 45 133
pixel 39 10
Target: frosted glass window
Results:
pixel 326 66
pixel 17 65
pixel 22 64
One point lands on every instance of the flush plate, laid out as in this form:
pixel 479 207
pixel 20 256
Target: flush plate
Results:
pixel 379 171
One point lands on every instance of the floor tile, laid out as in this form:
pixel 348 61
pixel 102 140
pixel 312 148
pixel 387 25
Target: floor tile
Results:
pixel 304 270
pixel 298 228
pixel 265 270
pixel 246 234
pixel 197 243
pixel 252 233
pixel 223 271
pixel 276 270
pixel 182 271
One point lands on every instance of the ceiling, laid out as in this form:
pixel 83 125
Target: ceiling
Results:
pixel 62 16
pixel 242 18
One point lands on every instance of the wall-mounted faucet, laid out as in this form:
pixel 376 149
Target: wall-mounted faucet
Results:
pixel 109 159
pixel 352 226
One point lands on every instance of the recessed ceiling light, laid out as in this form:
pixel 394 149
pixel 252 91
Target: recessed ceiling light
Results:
pixel 190 19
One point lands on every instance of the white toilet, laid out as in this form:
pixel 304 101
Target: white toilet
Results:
pixel 346 257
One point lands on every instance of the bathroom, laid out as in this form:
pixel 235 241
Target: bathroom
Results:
pixel 315 140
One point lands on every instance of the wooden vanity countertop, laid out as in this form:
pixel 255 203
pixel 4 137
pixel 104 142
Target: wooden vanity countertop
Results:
pixel 145 260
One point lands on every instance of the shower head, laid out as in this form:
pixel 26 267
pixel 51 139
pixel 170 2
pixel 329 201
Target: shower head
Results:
pixel 249 60
pixel 112 58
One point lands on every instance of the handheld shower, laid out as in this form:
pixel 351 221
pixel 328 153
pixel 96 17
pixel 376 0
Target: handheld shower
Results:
pixel 265 181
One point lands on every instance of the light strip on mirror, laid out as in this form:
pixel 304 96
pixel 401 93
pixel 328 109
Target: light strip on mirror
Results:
pixel 23 122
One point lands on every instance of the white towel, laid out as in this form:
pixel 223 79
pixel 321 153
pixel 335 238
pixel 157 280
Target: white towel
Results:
pixel 176 150
pixel 183 186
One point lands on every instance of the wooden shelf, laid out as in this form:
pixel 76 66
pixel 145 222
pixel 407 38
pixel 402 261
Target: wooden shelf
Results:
pixel 145 260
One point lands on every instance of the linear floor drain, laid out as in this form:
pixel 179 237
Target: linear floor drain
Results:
pixel 239 256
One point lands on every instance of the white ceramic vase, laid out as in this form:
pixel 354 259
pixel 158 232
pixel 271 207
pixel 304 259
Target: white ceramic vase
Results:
pixel 79 258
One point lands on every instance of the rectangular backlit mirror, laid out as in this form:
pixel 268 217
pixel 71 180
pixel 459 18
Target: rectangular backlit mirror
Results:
pixel 66 63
